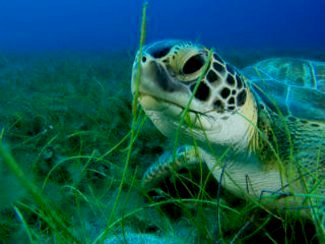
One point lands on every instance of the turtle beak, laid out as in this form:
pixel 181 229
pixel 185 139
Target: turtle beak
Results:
pixel 154 77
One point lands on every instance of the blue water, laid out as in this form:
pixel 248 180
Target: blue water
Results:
pixel 114 24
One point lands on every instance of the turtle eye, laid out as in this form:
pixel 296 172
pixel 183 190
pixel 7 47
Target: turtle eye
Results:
pixel 193 64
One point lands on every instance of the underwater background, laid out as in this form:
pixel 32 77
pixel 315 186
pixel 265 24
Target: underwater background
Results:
pixel 114 24
pixel 69 172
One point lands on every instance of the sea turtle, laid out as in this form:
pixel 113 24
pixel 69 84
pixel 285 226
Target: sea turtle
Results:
pixel 260 130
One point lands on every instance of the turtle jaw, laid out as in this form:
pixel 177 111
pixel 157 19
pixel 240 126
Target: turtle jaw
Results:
pixel 170 119
pixel 170 112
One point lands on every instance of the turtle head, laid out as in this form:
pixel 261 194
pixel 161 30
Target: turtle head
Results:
pixel 184 86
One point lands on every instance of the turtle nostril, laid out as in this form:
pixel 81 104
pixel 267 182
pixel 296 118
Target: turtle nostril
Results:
pixel 144 59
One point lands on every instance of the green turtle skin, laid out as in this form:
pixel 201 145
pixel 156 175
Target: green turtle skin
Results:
pixel 260 130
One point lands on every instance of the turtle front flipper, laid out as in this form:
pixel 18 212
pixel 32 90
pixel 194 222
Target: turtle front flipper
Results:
pixel 169 163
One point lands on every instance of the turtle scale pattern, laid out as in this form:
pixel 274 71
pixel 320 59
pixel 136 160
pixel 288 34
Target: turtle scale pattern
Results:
pixel 270 116
pixel 297 86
